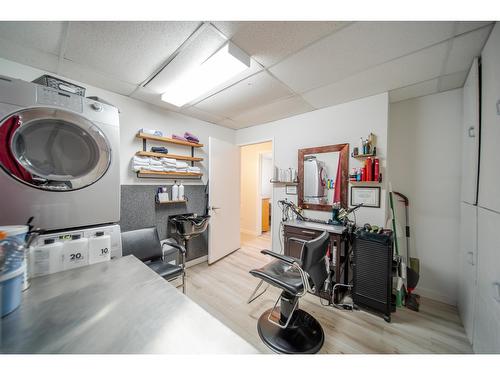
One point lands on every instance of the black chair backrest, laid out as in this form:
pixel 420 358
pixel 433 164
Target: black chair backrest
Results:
pixel 313 259
pixel 142 243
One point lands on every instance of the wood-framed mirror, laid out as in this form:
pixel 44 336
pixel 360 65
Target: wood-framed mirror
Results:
pixel 320 170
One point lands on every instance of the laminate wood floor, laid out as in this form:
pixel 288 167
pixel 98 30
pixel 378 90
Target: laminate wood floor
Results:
pixel 224 287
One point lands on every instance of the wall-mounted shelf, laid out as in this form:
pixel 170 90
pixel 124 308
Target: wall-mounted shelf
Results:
pixel 172 202
pixel 170 156
pixel 167 140
pixel 158 174
pixel 284 182
pixel 363 156
pixel 365 182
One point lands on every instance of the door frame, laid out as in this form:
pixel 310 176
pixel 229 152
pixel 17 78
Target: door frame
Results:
pixel 263 140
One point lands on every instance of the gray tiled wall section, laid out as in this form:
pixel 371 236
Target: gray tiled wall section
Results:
pixel 139 210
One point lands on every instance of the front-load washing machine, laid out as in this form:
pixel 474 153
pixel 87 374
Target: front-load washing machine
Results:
pixel 59 158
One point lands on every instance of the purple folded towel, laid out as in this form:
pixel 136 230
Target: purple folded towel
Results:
pixel 191 137
pixel 178 137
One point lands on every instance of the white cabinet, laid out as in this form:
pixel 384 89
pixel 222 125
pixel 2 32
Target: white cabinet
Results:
pixel 487 312
pixel 467 270
pixel 470 136
pixel 489 182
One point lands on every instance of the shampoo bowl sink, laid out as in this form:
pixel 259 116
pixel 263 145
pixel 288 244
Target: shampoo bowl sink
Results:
pixel 188 226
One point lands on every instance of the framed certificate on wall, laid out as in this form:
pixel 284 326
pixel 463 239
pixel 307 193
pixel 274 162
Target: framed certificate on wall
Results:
pixel 369 196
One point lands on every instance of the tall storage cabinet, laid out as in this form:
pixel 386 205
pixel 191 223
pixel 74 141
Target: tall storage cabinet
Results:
pixel 479 289
pixel 468 209
pixel 467 270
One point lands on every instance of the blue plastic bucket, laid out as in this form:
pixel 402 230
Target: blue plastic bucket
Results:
pixel 11 290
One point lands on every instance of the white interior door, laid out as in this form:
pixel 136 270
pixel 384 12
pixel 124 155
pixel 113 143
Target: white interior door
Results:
pixel 224 198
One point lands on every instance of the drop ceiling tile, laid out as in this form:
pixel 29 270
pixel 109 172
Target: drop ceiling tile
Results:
pixel 465 26
pixel 452 81
pixel 93 77
pixel 270 41
pixel 355 48
pixel 464 48
pixel 252 92
pixel 274 111
pixel 420 66
pixel 202 115
pixel 414 91
pixel 228 123
pixel 129 51
pixel 43 36
pixel 28 56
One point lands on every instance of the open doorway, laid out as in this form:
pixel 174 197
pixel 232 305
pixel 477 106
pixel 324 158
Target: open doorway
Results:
pixel 256 192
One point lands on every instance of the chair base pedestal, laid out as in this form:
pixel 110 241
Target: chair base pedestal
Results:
pixel 303 335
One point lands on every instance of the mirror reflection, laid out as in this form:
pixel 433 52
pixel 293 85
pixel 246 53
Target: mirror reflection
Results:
pixel 320 176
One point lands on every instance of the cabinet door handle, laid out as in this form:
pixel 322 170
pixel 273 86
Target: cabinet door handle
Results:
pixel 471 258
pixel 496 291
pixel 472 132
pixel 308 232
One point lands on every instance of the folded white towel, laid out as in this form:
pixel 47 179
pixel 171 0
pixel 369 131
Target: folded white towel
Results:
pixel 169 161
pixel 195 169
pixel 156 168
pixel 154 161
pixel 141 159
pixel 181 164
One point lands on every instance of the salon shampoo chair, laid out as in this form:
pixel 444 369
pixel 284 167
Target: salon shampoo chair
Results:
pixel 288 329
pixel 145 245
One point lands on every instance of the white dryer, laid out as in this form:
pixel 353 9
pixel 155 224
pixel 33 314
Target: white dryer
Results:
pixel 59 158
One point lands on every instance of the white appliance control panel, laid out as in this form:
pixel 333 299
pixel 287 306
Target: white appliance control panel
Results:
pixel 52 97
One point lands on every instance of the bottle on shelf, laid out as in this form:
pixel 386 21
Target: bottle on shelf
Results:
pixel 376 169
pixel 181 192
pixel 175 191
pixel 369 170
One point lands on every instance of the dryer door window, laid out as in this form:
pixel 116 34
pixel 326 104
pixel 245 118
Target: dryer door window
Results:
pixel 52 149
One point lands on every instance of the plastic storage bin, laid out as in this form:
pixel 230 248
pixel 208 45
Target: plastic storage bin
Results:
pixel 11 285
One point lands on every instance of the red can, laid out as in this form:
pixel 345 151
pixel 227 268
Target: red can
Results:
pixel 363 174
pixel 376 170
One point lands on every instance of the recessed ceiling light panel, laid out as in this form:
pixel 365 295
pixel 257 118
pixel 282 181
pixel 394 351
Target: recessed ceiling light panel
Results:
pixel 224 64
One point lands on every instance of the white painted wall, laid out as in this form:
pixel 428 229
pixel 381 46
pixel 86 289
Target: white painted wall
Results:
pixel 134 115
pixel 344 123
pixel 424 161
pixel 251 198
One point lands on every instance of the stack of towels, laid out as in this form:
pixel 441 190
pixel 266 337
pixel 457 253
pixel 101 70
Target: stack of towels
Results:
pixel 187 137
pixel 161 165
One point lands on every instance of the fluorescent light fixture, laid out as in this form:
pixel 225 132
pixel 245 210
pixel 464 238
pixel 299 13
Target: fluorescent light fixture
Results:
pixel 217 69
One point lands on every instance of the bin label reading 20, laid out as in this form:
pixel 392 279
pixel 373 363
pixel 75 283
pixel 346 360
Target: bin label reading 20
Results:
pixel 75 257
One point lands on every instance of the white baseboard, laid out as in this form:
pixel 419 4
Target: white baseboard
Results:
pixel 431 294
pixel 196 261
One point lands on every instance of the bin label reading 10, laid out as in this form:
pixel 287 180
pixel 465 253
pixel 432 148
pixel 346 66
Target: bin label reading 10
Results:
pixel 104 251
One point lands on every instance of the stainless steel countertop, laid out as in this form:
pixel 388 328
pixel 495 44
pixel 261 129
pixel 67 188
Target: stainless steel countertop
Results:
pixel 119 306
pixel 337 229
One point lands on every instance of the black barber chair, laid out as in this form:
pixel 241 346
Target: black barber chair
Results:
pixel 145 245
pixel 294 331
